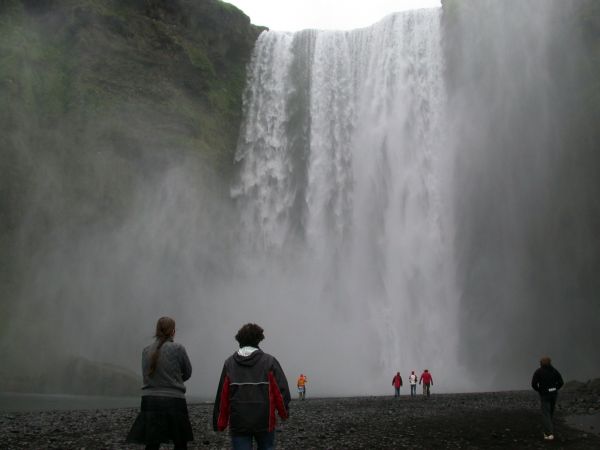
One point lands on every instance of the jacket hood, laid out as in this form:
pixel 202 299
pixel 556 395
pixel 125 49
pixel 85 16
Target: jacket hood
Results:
pixel 249 360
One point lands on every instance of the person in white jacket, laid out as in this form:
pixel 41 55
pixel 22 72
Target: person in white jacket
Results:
pixel 412 379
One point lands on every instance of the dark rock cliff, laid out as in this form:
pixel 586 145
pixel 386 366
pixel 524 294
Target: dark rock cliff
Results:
pixel 100 97
pixel 527 186
pixel 127 86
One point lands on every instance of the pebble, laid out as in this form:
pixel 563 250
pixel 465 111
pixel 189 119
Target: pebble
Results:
pixel 454 421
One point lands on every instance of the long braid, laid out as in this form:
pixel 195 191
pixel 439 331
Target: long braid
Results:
pixel 165 328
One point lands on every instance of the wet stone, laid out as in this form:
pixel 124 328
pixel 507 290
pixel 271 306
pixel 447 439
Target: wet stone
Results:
pixel 509 420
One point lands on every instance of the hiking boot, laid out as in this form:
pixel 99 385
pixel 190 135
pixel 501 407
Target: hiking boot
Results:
pixel 548 437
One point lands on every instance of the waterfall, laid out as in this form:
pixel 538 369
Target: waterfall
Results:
pixel 421 193
pixel 339 189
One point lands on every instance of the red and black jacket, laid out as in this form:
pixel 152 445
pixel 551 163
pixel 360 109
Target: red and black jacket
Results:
pixel 251 389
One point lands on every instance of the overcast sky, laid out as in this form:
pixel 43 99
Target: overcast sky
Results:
pixel 294 15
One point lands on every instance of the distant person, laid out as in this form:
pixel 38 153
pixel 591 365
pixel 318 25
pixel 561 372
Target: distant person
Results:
pixel 251 388
pixel 397 383
pixel 547 381
pixel 301 383
pixel 164 414
pixel 427 380
pixel 412 379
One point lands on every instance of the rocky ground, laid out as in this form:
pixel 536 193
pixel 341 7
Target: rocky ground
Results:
pixel 468 421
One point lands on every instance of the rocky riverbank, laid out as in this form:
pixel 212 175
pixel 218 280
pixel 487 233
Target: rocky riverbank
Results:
pixel 480 420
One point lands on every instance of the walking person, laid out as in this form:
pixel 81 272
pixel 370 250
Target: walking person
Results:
pixel 547 381
pixel 397 383
pixel 301 384
pixel 412 379
pixel 427 380
pixel 164 415
pixel 251 388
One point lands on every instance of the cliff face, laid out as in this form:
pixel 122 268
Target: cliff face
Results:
pixel 125 87
pixel 99 98
pixel 524 93
pixel 176 68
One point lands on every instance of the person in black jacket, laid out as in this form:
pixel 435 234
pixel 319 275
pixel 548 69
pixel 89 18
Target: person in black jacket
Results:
pixel 251 389
pixel 547 381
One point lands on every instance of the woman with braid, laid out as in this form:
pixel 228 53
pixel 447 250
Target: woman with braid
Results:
pixel 164 415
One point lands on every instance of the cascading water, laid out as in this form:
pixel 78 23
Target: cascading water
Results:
pixel 339 189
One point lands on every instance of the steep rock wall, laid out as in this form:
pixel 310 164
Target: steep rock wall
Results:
pixel 99 99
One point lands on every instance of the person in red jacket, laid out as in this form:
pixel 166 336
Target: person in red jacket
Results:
pixel 397 382
pixel 251 389
pixel 427 380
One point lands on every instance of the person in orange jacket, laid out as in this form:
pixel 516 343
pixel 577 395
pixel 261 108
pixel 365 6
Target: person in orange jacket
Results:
pixel 302 380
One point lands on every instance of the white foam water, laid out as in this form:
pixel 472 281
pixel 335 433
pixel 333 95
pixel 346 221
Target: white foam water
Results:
pixel 340 188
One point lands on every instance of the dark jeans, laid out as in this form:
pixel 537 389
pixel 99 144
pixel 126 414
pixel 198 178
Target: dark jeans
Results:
pixel 413 390
pixel 396 392
pixel 426 390
pixel 264 441
pixel 548 402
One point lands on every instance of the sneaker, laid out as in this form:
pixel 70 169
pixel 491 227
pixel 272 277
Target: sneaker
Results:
pixel 548 437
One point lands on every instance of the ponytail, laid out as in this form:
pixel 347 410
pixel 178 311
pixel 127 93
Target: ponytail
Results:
pixel 165 328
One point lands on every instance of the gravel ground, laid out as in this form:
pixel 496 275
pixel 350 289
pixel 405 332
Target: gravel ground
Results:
pixel 444 421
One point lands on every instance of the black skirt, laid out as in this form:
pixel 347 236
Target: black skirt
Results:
pixel 161 420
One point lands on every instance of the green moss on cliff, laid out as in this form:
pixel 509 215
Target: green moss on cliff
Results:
pixel 165 62
pixel 98 97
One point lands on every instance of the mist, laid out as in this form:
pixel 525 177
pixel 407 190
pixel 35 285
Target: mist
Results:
pixel 421 193
pixel 520 114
